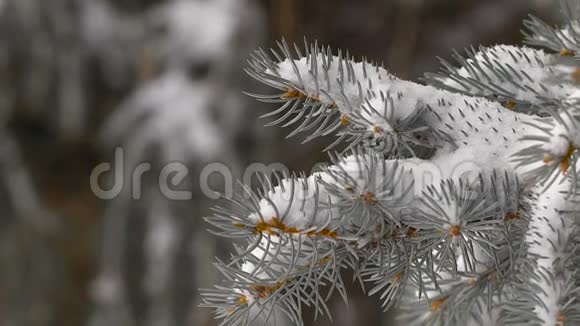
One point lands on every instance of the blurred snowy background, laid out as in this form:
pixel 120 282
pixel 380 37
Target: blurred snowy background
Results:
pixel 162 79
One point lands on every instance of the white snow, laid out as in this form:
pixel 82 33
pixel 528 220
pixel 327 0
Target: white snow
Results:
pixel 530 69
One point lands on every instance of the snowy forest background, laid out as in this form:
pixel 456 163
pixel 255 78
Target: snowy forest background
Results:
pixel 163 79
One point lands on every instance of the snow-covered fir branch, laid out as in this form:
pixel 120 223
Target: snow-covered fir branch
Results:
pixel 455 201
